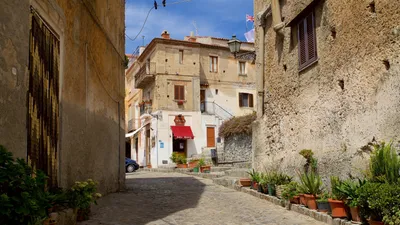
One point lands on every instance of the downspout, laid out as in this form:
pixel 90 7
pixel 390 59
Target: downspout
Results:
pixel 261 19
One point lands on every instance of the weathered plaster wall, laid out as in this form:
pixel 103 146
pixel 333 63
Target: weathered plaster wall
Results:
pixel 91 141
pixel 14 45
pixel 237 148
pixel 312 109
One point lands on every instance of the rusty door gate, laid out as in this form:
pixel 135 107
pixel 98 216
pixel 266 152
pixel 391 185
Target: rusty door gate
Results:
pixel 43 99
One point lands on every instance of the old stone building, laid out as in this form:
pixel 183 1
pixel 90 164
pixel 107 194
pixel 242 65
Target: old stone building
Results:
pixel 62 88
pixel 189 87
pixel 329 80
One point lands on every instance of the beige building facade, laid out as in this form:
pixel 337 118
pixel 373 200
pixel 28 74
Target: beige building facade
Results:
pixel 192 86
pixel 328 74
pixel 62 88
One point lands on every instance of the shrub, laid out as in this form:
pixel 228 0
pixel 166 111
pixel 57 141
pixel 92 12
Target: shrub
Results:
pixel 174 157
pixel 23 199
pixel 82 194
pixel 348 190
pixel 237 125
pixel 254 175
pixel 290 190
pixel 384 164
pixel 386 201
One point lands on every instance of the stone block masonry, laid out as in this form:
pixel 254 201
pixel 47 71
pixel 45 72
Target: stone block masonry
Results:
pixel 236 148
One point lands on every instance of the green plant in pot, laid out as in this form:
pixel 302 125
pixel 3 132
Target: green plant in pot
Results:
pixel 348 190
pixel 337 203
pixel 255 178
pixel 82 195
pixel 290 192
pixel 23 199
pixel 281 181
pixel 204 167
pixel 311 162
pixel 311 186
pixel 322 202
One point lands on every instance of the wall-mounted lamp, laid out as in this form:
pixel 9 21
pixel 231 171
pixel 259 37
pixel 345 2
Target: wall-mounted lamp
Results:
pixel 234 45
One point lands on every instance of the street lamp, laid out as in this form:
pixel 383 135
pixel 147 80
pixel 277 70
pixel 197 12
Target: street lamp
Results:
pixel 234 45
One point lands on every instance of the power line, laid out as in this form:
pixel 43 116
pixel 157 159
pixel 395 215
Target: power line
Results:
pixel 147 16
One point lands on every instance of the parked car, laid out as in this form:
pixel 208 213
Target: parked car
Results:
pixel 131 165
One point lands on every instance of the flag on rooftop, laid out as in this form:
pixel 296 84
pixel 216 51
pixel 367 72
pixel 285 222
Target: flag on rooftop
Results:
pixel 249 18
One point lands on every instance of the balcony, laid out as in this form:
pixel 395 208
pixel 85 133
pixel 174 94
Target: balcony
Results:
pixel 145 75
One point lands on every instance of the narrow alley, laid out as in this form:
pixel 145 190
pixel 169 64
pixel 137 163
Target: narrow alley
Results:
pixel 172 198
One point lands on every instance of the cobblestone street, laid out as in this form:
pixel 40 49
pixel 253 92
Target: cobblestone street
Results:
pixel 172 198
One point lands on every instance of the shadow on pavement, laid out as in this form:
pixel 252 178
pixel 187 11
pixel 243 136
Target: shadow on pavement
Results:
pixel 147 199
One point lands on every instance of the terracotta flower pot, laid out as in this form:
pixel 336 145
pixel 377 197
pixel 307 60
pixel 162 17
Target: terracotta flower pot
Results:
pixel 255 185
pixel 295 200
pixel 323 207
pixel 245 182
pixel 311 201
pixel 205 169
pixel 149 166
pixel 302 199
pixel 338 208
pixel 373 222
pixel 193 163
pixel 182 165
pixel 355 214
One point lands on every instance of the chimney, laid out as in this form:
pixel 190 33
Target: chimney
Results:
pixel 141 49
pixel 192 38
pixel 165 35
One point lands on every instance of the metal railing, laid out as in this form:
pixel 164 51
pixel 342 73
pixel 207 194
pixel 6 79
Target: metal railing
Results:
pixel 145 109
pixel 215 109
pixel 145 71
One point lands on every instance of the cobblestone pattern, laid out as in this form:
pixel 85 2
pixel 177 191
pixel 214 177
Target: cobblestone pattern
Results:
pixel 171 198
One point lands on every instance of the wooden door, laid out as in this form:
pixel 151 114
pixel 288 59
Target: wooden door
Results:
pixel 148 155
pixel 210 137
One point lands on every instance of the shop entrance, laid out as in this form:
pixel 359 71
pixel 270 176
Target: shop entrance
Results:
pixel 180 146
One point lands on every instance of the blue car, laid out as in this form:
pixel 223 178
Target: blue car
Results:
pixel 130 165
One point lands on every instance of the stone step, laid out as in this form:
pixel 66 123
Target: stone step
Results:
pixel 211 175
pixel 237 172
pixel 246 165
pixel 229 182
pixel 219 168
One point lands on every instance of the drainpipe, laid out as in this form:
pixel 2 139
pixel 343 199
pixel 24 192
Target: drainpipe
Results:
pixel 261 19
pixel 276 16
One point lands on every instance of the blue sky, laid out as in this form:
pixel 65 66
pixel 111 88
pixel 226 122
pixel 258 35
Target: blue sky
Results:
pixel 218 18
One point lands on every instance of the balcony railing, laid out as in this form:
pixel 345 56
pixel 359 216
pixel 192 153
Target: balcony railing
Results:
pixel 145 75
pixel 213 108
pixel 145 109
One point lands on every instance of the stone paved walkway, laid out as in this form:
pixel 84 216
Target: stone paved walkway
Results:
pixel 172 198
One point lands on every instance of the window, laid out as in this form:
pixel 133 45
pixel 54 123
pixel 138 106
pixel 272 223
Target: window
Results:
pixel 242 68
pixel 245 100
pixel 179 92
pixel 130 112
pixel 180 56
pixel 214 64
pixel 307 41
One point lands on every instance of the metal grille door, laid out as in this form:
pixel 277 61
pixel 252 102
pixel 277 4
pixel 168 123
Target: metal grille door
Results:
pixel 43 99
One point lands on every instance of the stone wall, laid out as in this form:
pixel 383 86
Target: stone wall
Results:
pixel 91 132
pixel 236 148
pixel 342 102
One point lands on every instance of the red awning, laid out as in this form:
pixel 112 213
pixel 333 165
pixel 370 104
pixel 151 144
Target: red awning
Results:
pixel 182 132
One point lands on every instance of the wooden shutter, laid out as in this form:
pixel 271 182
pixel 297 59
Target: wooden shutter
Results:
pixel 251 100
pixel 182 92
pixel 210 137
pixel 240 99
pixel 307 41
pixel 176 95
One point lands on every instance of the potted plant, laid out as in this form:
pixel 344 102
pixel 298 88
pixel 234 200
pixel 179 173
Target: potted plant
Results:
pixel 181 162
pixel 311 162
pixel 193 163
pixel 180 102
pixel 203 167
pixel 81 195
pixel 255 178
pixel 148 102
pixel 337 203
pixel 290 192
pixel 322 202
pixel 349 188
pixel 311 185
pixel 281 181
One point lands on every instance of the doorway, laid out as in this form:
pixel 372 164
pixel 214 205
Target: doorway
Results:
pixel 137 149
pixel 179 146
pixel 210 137
pixel 202 100
pixel 148 155
pixel 128 150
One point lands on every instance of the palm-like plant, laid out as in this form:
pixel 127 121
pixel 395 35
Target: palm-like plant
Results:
pixel 310 183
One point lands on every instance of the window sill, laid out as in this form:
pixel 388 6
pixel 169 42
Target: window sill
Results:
pixel 246 107
pixel 243 74
pixel 213 71
pixel 179 100
pixel 301 69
